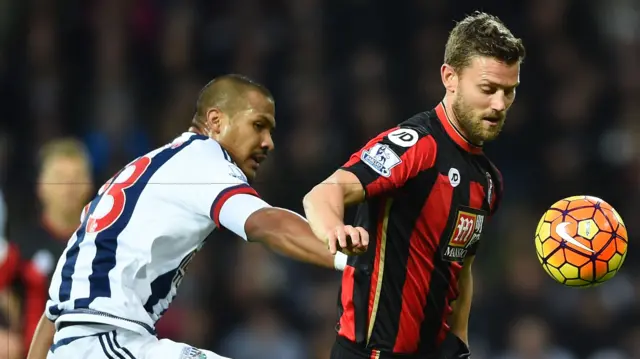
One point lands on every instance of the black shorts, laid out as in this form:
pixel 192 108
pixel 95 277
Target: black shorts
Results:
pixel 346 349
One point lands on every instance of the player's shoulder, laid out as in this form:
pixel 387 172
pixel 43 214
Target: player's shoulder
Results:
pixel 191 148
pixel 205 157
pixel 419 122
pixel 408 133
pixel 193 143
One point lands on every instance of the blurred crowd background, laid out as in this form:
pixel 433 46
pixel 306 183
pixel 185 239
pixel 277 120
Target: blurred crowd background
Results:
pixel 122 76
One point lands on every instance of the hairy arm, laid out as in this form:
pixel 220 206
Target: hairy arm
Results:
pixel 383 165
pixel 289 234
pixel 324 204
pixel 42 339
pixel 462 307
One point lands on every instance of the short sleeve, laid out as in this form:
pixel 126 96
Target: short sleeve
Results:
pixel 225 185
pixel 389 160
pixel 219 188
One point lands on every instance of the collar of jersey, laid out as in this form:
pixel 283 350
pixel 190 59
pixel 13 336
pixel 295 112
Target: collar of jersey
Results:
pixel 453 132
pixel 190 134
pixel 226 153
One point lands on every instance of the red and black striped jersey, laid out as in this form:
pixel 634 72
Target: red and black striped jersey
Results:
pixel 429 193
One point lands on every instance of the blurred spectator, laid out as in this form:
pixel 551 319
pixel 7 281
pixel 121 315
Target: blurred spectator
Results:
pixel 9 255
pixel 63 187
pixel 9 308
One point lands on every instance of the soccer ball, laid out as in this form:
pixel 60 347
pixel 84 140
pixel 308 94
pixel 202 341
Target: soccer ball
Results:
pixel 581 241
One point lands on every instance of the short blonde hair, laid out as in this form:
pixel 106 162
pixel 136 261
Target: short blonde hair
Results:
pixel 63 147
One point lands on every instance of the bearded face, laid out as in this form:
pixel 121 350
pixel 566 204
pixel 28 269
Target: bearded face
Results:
pixel 485 90
pixel 478 125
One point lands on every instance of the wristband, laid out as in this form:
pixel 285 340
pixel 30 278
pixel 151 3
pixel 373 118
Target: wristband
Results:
pixel 340 261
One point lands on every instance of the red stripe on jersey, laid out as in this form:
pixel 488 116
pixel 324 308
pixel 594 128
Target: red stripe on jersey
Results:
pixel 420 264
pixel 223 196
pixel 416 159
pixel 9 267
pixel 355 158
pixel 476 200
pixel 348 317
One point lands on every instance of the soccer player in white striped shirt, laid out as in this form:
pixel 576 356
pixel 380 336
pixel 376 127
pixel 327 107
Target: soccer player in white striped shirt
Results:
pixel 122 267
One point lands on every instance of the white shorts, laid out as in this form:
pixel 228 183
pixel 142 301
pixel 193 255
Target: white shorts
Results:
pixel 101 341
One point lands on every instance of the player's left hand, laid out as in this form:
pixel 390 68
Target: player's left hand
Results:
pixel 348 240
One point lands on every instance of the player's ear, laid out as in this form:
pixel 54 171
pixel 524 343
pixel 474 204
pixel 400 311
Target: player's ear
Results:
pixel 449 78
pixel 214 120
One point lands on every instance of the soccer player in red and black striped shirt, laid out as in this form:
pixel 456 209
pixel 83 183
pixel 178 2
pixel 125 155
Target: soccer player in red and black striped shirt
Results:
pixel 426 192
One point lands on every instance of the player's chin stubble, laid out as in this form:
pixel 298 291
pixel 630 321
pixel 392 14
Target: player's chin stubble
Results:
pixel 472 123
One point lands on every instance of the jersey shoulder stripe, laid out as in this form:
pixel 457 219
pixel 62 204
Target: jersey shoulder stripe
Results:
pixel 224 195
pixel 393 157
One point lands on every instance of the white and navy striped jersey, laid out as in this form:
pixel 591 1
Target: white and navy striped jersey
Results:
pixel 128 256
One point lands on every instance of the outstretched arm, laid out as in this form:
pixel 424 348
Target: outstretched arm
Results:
pixel 284 231
pixel 233 205
pixel 289 234
pixel 384 164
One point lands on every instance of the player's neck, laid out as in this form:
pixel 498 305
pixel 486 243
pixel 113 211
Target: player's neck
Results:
pixel 453 119
pixel 194 129
pixel 451 116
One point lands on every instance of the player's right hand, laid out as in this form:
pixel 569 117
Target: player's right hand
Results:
pixel 348 240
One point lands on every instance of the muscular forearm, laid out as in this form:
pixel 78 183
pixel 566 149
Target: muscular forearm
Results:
pixel 42 339
pixel 307 249
pixel 289 234
pixel 324 208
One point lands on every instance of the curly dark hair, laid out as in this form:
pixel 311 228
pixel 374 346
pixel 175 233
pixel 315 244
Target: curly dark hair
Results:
pixel 482 34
